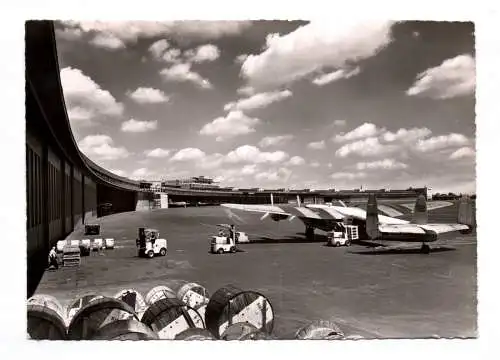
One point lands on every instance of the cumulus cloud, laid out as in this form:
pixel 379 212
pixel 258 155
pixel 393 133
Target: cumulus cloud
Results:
pixel 246 90
pixel 348 175
pixel 158 48
pixel 162 50
pixel 100 147
pixel 130 31
pixel 157 153
pixel 362 131
pixel 454 77
pixel 315 164
pixel 335 76
pixel 183 73
pixel 145 95
pixel 188 154
pixel 240 59
pixel 386 164
pixel 279 175
pixel 296 161
pixel 69 34
pixel 367 147
pixel 172 56
pixel 312 47
pixel 402 141
pixel 275 140
pixel 138 126
pixel 249 169
pixel 233 124
pixel 252 154
pixel 212 161
pixel 258 101
pixel 406 135
pixel 462 153
pixel 203 53
pixel 107 41
pixel 249 156
pixel 142 174
pixel 441 142
pixel 85 100
pixel 316 145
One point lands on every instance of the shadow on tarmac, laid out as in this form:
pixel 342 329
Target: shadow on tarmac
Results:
pixel 238 250
pixel 401 251
pixel 299 239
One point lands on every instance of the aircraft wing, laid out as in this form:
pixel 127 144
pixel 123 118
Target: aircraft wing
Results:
pixel 420 228
pixel 272 209
pixel 431 205
pixel 354 212
pixel 286 210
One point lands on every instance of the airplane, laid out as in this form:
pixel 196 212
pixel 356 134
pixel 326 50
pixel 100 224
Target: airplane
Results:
pixel 177 204
pixel 373 227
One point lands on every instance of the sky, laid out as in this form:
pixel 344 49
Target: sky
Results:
pixel 294 104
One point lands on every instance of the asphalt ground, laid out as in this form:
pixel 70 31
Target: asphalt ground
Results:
pixel 368 292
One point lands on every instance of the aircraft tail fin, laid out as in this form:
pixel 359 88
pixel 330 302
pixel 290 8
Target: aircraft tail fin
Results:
pixel 466 214
pixel 372 218
pixel 420 215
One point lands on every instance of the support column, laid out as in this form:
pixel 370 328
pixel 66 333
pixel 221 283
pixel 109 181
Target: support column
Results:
pixel 45 197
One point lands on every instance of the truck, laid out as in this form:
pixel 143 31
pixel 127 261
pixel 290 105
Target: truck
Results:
pixel 343 235
pixel 149 243
pixel 226 240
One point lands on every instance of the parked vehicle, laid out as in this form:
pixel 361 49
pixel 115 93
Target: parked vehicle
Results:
pixel 149 243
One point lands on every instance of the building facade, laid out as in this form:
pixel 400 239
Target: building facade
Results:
pixel 195 183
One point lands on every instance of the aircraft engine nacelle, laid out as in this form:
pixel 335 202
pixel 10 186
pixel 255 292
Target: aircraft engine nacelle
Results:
pixel 278 217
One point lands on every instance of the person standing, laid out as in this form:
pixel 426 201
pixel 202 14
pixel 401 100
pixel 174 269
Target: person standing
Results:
pixel 53 258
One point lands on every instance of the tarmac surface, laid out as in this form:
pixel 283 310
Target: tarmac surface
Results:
pixel 369 293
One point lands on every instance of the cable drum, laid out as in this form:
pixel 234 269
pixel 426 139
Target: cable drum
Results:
pixel 45 318
pixel 244 331
pixel 79 303
pixel 130 329
pixel 195 334
pixel 48 301
pixel 195 296
pixel 97 314
pixel 134 299
pixel 230 305
pixel 320 330
pixel 238 331
pixel 169 317
pixel 159 292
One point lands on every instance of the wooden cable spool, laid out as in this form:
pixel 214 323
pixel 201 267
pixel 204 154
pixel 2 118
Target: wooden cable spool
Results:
pixel 130 329
pixel 259 335
pixel 238 331
pixel 78 303
pixel 230 305
pixel 97 314
pixel 244 331
pixel 195 334
pixel 159 292
pixel 169 317
pixel 320 330
pixel 133 298
pixel 194 295
pixel 45 318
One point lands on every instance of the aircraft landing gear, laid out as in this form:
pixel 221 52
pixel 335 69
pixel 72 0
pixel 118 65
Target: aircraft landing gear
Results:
pixel 425 249
pixel 309 233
